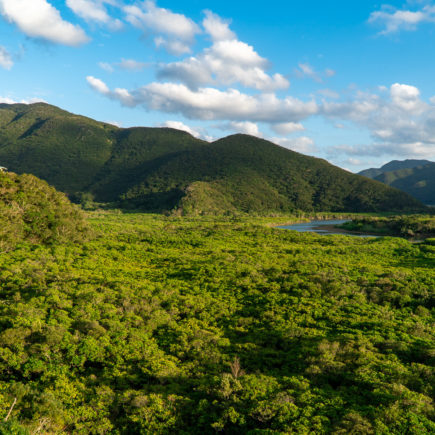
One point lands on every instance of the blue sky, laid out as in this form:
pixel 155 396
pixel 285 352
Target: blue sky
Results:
pixel 351 82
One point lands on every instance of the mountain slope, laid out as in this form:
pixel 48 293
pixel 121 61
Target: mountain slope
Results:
pixel 165 169
pixel 256 175
pixel 62 148
pixel 418 182
pixel 415 177
pixel 31 210
pixel 394 165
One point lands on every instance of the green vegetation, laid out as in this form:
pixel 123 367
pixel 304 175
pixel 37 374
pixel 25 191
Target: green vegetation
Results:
pixel 416 177
pixel 157 169
pixel 410 226
pixel 394 165
pixel 31 210
pixel 192 325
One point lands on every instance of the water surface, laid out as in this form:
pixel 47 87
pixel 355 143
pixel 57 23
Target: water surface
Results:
pixel 324 227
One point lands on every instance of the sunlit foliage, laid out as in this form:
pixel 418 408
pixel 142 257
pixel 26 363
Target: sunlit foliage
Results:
pixel 31 210
pixel 163 325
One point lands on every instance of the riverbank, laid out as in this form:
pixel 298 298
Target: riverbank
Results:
pixel 334 229
pixel 412 227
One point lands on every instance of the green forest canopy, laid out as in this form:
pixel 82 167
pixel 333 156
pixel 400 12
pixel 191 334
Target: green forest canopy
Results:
pixel 194 325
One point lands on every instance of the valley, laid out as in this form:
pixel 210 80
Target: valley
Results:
pixel 204 317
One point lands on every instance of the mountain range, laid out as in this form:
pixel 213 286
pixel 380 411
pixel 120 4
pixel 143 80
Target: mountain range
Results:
pixel 416 177
pixel 158 169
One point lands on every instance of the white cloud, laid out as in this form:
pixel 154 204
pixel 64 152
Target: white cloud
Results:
pixel 126 64
pixel 119 94
pixel 406 97
pixel 211 103
pixel 124 97
pixel 94 10
pixel 39 19
pixel 132 65
pixel 226 62
pixel 329 93
pixel 285 128
pixel 178 125
pixel 245 127
pixel 6 61
pixel 394 20
pixel 8 100
pixel 115 123
pixel 301 144
pixel 217 28
pixel 400 124
pixel 175 32
pixel 98 85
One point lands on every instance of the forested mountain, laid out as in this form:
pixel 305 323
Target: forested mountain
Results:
pixel 394 165
pixel 416 177
pixel 165 169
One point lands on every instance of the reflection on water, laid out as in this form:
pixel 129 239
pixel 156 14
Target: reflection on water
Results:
pixel 322 227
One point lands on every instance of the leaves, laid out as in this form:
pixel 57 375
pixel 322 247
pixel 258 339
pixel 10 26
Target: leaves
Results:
pixel 194 325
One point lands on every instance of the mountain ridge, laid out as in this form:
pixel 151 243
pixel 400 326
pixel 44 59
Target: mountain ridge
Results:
pixel 159 169
pixel 415 177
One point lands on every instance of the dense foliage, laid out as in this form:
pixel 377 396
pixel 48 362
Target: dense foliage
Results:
pixel 394 165
pixel 31 210
pixel 410 226
pixel 164 169
pixel 416 177
pixel 169 325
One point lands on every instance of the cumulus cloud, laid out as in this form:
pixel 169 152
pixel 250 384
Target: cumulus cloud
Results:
pixel 400 124
pixel 125 64
pixel 302 144
pixel 211 103
pixel 119 94
pixel 39 19
pixel 217 28
pixel 94 11
pixel 98 85
pixel 6 61
pixel 393 20
pixel 115 123
pixel 406 98
pixel 178 125
pixel 226 62
pixel 174 32
pixel 245 127
pixel 132 65
pixel 329 93
pixel 8 100
pixel 285 128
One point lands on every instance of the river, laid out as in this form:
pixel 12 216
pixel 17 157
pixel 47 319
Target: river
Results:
pixel 325 227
